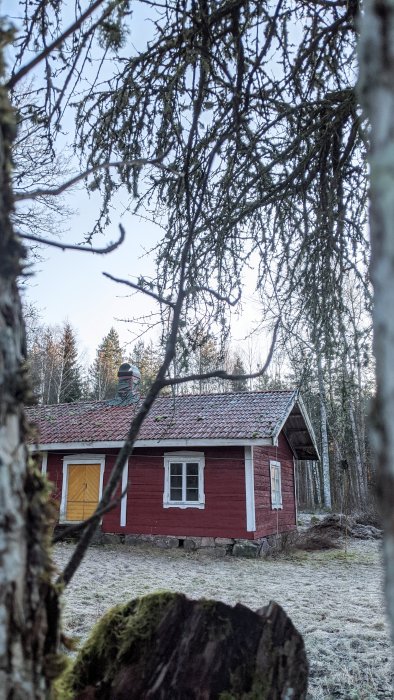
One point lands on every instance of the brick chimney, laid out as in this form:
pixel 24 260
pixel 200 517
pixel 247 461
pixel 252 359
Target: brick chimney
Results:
pixel 128 391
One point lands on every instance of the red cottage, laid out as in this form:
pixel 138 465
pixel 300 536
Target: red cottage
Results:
pixel 204 466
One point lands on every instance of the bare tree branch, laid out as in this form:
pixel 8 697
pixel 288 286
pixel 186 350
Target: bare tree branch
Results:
pixel 138 288
pixel 73 529
pixel 169 355
pixel 138 163
pixel 83 249
pixel 222 374
pixel 219 297
pixel 55 44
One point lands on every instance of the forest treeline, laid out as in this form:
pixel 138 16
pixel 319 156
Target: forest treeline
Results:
pixel 336 386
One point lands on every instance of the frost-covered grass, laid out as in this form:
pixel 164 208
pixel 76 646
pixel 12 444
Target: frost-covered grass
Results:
pixel 334 599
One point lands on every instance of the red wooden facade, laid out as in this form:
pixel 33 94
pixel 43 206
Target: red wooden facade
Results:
pixel 269 521
pixel 225 510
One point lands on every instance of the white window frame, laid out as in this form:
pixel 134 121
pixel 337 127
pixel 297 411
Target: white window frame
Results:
pixel 183 457
pixel 276 495
pixel 78 459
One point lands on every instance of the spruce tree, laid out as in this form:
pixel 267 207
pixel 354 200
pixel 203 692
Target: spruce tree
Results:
pixel 106 365
pixel 71 381
pixel 238 368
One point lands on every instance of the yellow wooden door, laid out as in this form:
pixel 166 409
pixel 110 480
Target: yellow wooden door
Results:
pixel 83 490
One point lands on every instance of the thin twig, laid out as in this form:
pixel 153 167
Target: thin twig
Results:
pixel 219 297
pixel 83 249
pixel 138 163
pixel 55 44
pixel 138 288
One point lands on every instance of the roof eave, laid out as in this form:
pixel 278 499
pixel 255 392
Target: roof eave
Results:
pixel 296 399
pixel 282 421
pixel 117 444
pixel 308 425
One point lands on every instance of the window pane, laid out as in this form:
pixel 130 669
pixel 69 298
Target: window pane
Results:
pixel 192 482
pixel 191 469
pixel 176 468
pixel 175 494
pixel 176 481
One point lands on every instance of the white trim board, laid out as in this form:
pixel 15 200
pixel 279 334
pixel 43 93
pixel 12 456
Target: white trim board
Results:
pixel 103 444
pixel 249 490
pixel 282 421
pixel 123 502
pixel 44 463
pixel 308 424
pixel 296 399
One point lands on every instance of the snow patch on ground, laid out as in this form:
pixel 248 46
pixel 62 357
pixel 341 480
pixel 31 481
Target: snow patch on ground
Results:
pixel 334 599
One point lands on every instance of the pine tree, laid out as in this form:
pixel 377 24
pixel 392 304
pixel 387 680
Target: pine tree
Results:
pixel 71 382
pixel 106 365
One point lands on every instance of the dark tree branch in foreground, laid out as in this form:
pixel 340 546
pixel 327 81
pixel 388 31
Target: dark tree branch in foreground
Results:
pixel 193 210
pixel 73 529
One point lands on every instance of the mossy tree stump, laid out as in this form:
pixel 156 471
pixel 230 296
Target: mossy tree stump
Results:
pixel 164 646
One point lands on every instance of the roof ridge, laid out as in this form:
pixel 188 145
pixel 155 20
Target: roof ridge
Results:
pixel 105 402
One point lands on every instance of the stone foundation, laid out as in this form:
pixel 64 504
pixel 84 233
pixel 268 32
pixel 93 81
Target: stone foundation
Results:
pixel 207 546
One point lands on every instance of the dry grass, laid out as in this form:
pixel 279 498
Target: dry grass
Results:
pixel 333 597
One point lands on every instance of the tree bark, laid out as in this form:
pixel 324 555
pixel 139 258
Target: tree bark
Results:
pixel 325 458
pixel 376 90
pixel 360 466
pixel 28 604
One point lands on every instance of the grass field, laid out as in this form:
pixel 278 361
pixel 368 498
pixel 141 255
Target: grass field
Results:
pixel 334 598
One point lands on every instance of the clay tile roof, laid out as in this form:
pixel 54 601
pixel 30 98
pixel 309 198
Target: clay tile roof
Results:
pixel 247 415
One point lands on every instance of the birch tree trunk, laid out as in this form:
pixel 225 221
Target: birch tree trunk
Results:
pixel 28 603
pixel 360 466
pixel 376 90
pixel 324 436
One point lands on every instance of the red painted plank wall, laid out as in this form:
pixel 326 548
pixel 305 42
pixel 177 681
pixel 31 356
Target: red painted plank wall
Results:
pixel 270 521
pixel 224 514
pixel 55 474
pixel 224 484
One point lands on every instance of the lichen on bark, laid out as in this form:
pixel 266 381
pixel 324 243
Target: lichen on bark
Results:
pixel 29 610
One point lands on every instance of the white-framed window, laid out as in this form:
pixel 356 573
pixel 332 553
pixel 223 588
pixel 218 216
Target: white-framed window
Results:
pixel 276 485
pixel 184 480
